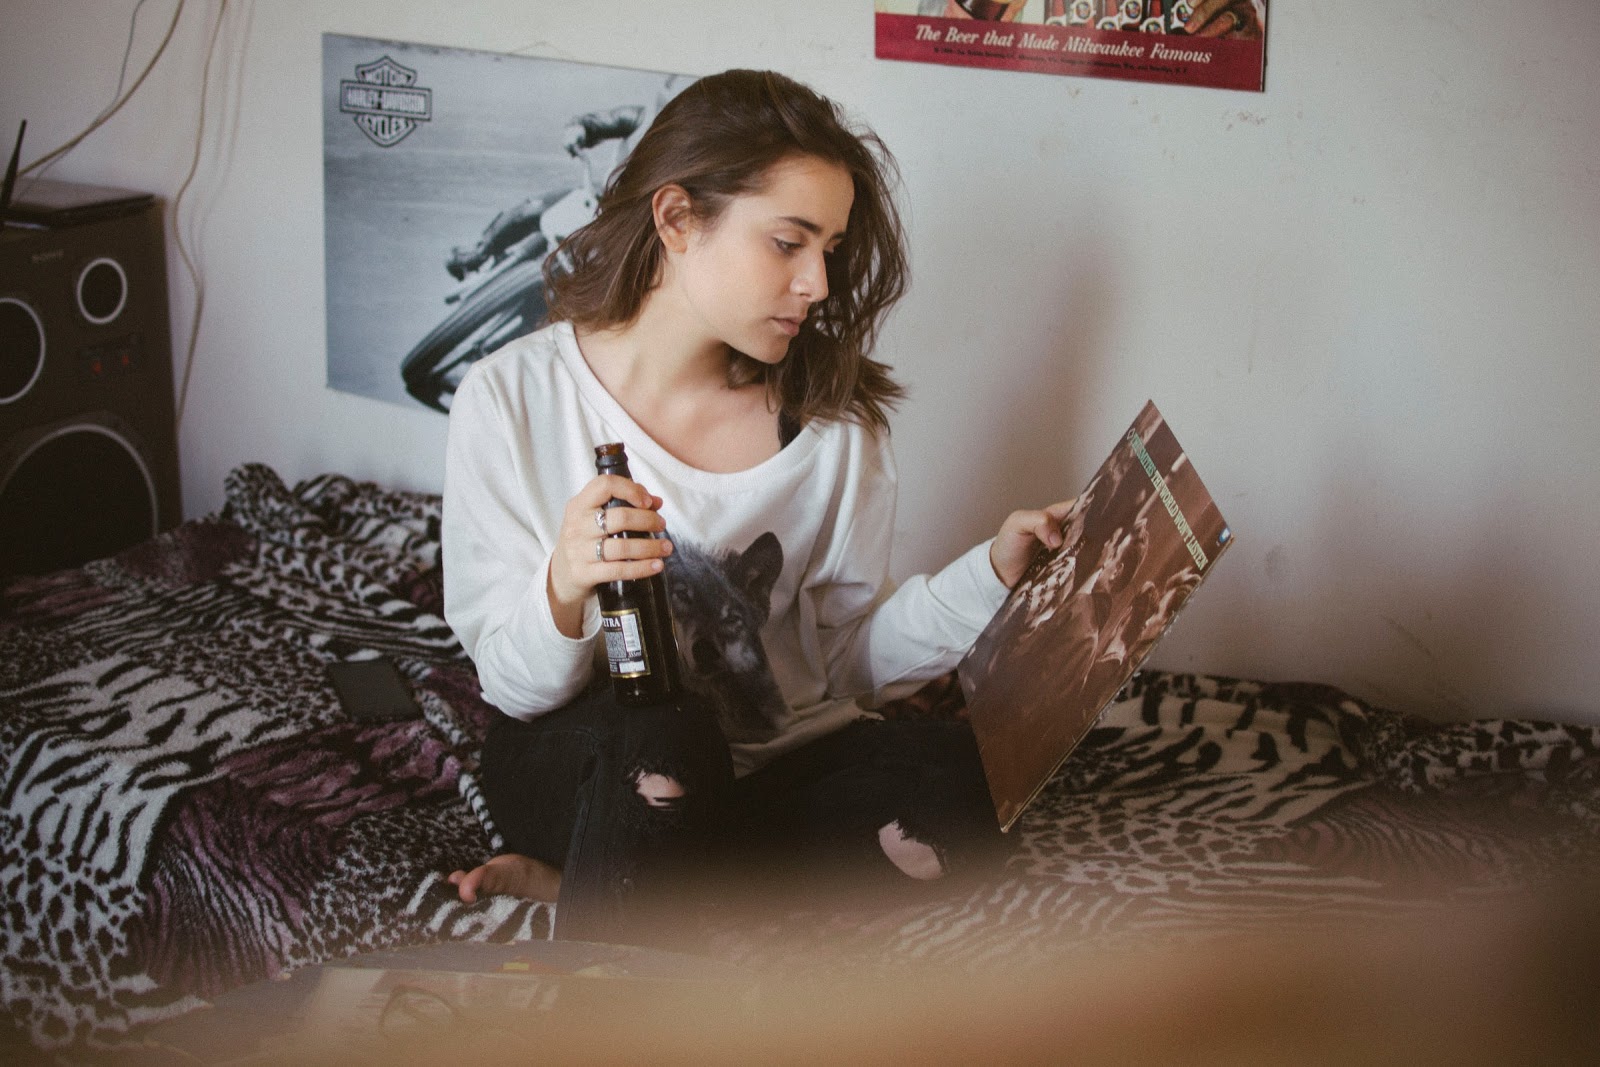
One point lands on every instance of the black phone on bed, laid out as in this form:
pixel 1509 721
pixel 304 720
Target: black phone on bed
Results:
pixel 373 690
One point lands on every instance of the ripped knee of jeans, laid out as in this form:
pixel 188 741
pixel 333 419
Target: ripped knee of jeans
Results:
pixel 914 858
pixel 659 790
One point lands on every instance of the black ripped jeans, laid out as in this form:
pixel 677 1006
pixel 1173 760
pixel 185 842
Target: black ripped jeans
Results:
pixel 564 788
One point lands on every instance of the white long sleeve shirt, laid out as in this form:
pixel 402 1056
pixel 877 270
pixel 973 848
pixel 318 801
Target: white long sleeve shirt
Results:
pixel 780 574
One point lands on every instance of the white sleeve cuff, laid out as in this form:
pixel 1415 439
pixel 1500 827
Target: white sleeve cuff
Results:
pixel 970 586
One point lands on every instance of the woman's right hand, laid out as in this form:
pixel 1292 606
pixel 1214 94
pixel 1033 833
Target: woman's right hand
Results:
pixel 587 555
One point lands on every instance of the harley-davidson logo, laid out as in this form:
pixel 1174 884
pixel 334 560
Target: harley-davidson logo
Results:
pixel 386 101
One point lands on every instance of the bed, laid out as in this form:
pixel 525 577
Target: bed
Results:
pixel 187 809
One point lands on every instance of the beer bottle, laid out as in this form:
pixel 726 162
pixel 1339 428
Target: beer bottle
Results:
pixel 986 10
pixel 1068 12
pixel 635 618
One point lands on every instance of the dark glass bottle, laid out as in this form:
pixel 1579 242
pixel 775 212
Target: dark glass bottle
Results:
pixel 987 10
pixel 636 620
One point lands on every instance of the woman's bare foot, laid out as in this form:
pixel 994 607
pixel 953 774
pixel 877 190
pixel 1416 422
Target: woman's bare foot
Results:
pixel 509 874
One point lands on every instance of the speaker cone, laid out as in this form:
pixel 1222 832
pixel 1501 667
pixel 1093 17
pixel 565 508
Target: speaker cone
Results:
pixel 102 291
pixel 74 493
pixel 21 348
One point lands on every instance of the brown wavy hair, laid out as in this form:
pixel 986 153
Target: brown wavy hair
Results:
pixel 717 139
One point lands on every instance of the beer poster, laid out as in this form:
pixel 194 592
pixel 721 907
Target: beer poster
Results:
pixel 1214 44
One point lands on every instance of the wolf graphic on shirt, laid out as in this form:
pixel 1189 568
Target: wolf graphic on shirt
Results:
pixel 720 600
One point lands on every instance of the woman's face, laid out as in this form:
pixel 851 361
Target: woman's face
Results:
pixel 750 277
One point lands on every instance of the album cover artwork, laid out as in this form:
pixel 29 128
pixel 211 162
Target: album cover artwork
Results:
pixel 1139 540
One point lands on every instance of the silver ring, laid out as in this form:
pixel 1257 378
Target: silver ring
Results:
pixel 600 519
pixel 600 550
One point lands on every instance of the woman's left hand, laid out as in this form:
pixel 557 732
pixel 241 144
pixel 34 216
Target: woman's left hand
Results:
pixel 1021 536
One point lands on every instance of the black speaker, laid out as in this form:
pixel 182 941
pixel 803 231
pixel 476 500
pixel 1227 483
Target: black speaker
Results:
pixel 88 445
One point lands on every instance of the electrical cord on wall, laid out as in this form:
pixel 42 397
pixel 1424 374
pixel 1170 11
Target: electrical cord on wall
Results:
pixel 121 98
pixel 127 53
pixel 196 278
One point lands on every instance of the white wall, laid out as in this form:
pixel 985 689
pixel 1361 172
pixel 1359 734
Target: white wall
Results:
pixel 1364 298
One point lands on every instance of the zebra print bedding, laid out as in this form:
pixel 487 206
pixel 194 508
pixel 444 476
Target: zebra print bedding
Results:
pixel 185 805
pixel 186 809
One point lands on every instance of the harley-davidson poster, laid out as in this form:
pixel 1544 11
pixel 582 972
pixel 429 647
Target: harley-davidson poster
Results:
pixel 448 176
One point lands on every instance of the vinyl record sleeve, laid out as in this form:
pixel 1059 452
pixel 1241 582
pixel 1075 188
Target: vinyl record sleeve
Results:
pixel 1139 540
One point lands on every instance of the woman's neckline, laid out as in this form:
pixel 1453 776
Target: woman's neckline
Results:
pixel 642 445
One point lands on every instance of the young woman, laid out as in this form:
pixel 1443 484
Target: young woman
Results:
pixel 718 317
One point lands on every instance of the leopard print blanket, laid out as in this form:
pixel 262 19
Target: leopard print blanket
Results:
pixel 184 807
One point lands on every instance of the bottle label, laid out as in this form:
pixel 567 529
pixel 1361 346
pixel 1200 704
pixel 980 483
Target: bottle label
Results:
pixel 624 643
